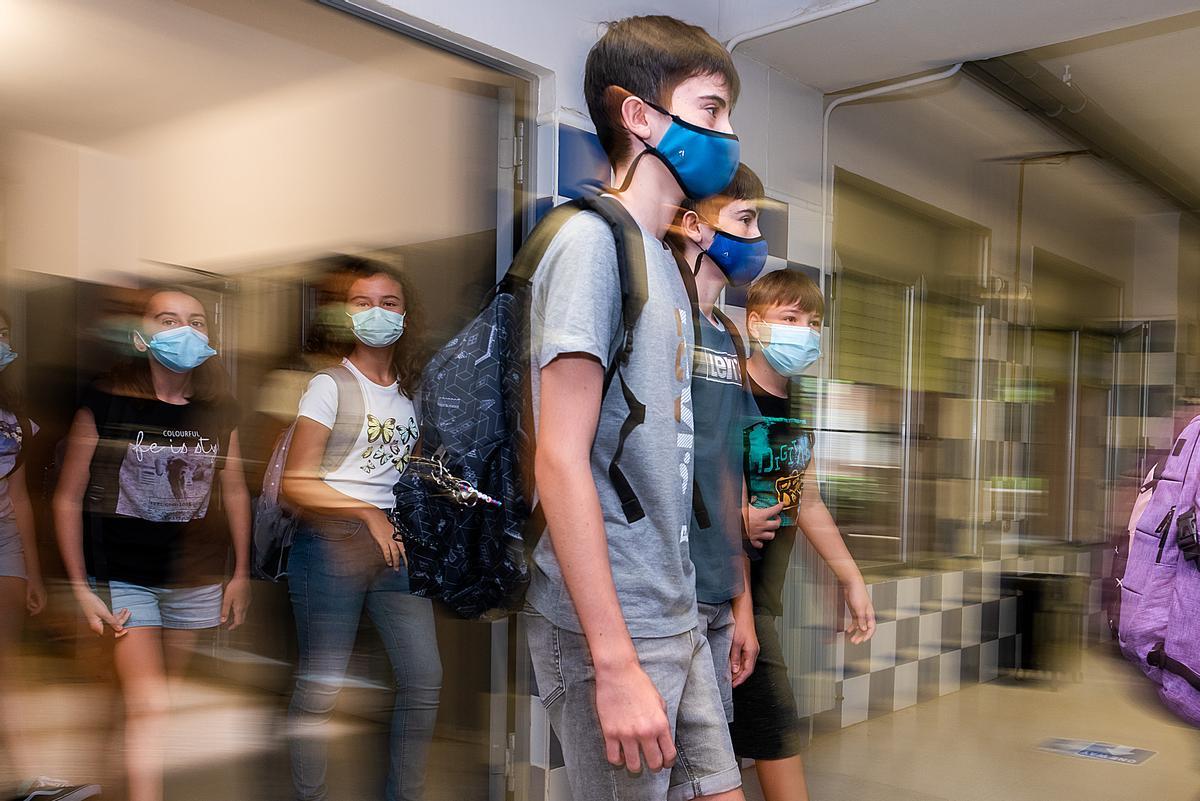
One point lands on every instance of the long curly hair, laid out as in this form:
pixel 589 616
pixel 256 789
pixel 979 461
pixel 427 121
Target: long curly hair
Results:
pixel 408 354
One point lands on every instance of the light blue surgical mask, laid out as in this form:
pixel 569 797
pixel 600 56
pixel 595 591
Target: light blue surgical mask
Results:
pixel 790 349
pixel 7 355
pixel 377 326
pixel 703 161
pixel 178 349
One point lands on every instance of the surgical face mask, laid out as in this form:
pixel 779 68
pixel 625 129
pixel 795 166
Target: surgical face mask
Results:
pixel 7 355
pixel 702 161
pixel 740 258
pixel 377 327
pixel 178 349
pixel 790 349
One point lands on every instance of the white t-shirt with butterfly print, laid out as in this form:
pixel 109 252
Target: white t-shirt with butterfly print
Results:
pixel 389 433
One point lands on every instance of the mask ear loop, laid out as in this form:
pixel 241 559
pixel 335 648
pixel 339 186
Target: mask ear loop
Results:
pixel 699 258
pixel 646 148
pixel 629 173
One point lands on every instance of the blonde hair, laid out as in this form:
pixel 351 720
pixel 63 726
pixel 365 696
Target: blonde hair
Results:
pixel 785 288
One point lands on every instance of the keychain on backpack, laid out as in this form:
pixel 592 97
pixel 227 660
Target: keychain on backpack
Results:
pixel 435 474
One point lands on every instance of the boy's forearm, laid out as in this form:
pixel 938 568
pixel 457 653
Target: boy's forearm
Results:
pixel 575 526
pixel 743 601
pixel 819 528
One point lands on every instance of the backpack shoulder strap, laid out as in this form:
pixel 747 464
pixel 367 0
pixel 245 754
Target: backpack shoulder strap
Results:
pixel 351 409
pixel 526 262
pixel 739 347
pixel 631 268
pixel 635 290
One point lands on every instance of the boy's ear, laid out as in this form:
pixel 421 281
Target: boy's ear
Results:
pixel 753 320
pixel 633 114
pixel 689 226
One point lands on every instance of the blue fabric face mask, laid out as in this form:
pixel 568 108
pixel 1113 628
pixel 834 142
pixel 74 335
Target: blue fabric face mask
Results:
pixel 178 349
pixel 740 258
pixel 702 161
pixel 7 355
pixel 378 327
pixel 791 349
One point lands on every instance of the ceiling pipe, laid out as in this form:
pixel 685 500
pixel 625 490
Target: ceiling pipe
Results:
pixel 1067 110
pixel 792 22
pixel 826 178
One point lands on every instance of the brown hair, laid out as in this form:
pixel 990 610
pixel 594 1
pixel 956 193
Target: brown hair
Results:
pixel 647 57
pixel 10 393
pixel 785 288
pixel 132 377
pixel 745 185
pixel 408 354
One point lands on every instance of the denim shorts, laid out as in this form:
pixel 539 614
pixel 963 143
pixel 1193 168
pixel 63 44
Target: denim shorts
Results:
pixel 682 671
pixel 167 607
pixel 12 554
pixel 716 622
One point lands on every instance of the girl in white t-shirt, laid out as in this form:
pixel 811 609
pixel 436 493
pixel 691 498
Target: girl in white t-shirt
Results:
pixel 346 558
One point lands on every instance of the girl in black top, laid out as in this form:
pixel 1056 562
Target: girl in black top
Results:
pixel 152 462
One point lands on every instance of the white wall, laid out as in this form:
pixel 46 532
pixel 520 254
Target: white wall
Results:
pixel 1153 289
pixel 553 37
pixel 354 160
pixel 67 208
pixel 338 163
pixel 779 122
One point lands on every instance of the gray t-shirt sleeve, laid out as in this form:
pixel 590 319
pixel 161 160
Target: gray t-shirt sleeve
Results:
pixel 577 292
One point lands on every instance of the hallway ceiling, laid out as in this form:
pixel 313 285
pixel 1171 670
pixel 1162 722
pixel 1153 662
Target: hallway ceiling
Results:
pixel 891 38
pixel 1148 79
pixel 87 71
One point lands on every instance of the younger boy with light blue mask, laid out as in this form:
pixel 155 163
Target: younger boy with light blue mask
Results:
pixel 784 312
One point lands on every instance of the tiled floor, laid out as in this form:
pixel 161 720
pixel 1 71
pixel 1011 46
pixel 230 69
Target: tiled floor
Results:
pixel 980 744
pixel 222 743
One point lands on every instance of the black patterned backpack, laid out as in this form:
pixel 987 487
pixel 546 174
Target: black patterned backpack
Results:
pixel 464 511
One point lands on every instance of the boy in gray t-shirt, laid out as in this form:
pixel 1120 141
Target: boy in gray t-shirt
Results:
pixel 621 667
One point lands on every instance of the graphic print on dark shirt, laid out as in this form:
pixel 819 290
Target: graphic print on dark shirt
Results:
pixel 778 450
pixel 153 498
pixel 167 475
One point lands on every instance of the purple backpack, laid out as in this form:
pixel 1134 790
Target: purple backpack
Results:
pixel 1160 593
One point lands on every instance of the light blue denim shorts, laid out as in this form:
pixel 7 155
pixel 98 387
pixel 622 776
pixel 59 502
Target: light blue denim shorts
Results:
pixel 167 607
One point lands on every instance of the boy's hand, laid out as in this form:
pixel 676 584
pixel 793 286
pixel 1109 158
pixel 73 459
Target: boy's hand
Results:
pixel 761 524
pixel 633 716
pixel 862 613
pixel 744 653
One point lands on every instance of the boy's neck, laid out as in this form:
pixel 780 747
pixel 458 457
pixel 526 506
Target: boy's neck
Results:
pixel 709 281
pixel 653 196
pixel 766 376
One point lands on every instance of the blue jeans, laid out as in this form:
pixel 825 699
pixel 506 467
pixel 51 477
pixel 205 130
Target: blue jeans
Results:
pixel 334 571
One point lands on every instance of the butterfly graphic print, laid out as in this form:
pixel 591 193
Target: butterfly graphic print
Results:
pixel 387 442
